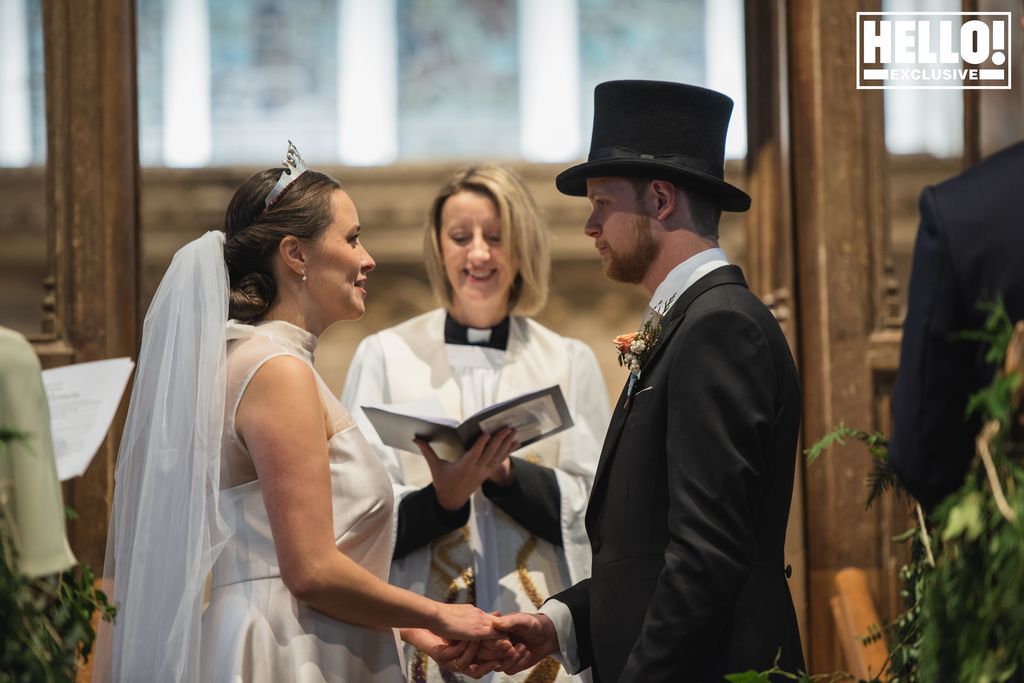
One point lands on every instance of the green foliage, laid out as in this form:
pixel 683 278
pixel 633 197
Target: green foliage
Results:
pixel 903 635
pixel 877 443
pixel 964 519
pixel 775 674
pixel 882 478
pixel 964 617
pixel 996 400
pixel 996 333
pixel 973 608
pixel 45 623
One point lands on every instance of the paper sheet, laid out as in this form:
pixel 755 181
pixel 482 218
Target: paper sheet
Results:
pixel 83 399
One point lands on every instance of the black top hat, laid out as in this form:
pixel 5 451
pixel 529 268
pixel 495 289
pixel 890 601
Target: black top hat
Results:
pixel 662 131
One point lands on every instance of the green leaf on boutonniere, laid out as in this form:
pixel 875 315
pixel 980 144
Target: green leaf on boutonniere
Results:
pixel 636 348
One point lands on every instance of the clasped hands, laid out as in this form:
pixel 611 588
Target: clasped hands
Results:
pixel 517 642
pixel 509 643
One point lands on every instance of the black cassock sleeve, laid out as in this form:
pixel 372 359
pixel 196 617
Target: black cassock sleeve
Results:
pixel 421 519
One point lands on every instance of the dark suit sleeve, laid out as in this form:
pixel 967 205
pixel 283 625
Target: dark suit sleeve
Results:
pixel 931 442
pixel 421 519
pixel 531 499
pixel 577 599
pixel 720 410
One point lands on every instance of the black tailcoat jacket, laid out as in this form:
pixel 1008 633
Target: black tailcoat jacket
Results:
pixel 687 518
pixel 969 249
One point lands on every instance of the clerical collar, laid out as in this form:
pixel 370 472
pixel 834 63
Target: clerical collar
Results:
pixel 492 337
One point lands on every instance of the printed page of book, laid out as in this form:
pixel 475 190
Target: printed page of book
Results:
pixel 397 424
pixel 534 415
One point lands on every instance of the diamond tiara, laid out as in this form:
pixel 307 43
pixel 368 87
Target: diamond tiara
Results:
pixel 294 166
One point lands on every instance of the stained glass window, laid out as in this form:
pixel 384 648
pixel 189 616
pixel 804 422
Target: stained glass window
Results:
pixel 273 73
pixel 255 72
pixel 458 79
pixel 660 40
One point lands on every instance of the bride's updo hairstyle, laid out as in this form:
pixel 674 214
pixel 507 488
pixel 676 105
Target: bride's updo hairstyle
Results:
pixel 253 232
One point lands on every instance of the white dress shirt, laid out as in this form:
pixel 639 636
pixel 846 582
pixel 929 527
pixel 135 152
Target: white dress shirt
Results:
pixel 678 280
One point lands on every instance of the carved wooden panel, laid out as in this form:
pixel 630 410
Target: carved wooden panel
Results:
pixel 840 218
pixel 895 514
pixel 769 225
pixel 92 185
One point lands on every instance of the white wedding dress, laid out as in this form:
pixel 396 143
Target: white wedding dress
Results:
pixel 254 629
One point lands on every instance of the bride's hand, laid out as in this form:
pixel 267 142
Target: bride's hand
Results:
pixel 464 622
pixel 449 655
pixel 455 482
pixel 457 656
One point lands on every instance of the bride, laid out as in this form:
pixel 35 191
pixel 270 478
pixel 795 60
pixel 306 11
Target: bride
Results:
pixel 238 462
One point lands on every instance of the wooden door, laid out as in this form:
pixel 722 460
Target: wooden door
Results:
pixel 818 247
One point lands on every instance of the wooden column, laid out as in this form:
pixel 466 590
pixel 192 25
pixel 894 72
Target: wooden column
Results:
pixel 838 169
pixel 769 224
pixel 92 196
pixel 972 110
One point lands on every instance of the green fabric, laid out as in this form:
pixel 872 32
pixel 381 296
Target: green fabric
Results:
pixel 28 471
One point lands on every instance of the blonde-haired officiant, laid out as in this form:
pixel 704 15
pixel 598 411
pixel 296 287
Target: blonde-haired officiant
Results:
pixel 503 534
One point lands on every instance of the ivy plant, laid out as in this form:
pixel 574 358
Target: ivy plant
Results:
pixel 45 623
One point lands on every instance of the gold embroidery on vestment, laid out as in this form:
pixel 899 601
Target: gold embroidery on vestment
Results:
pixel 545 671
pixel 447 568
pixel 524 574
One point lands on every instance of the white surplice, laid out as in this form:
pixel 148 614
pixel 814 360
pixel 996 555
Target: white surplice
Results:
pixel 508 567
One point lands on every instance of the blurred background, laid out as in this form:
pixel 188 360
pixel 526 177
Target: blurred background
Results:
pixel 125 125
pixel 390 96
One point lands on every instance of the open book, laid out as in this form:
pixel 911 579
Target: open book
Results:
pixel 534 416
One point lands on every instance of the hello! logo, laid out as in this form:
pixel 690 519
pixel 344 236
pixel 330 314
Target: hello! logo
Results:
pixel 934 51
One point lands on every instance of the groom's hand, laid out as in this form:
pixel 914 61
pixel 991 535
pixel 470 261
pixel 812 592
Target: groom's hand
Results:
pixel 534 638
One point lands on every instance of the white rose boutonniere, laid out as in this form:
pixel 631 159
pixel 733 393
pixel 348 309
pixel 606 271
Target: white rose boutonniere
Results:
pixel 636 348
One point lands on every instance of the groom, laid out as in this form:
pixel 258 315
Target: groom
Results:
pixel 687 517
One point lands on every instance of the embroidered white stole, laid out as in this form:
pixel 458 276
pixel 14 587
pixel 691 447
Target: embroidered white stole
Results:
pixel 509 568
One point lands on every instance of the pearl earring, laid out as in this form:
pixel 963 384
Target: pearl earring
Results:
pixel 303 276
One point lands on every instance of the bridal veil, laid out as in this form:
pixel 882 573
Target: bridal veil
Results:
pixel 165 530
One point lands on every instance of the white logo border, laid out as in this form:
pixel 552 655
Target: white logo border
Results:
pixel 1009 49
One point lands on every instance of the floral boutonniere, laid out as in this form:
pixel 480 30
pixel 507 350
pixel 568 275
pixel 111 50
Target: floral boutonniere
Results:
pixel 635 348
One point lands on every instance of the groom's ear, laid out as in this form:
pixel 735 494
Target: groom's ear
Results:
pixel 665 200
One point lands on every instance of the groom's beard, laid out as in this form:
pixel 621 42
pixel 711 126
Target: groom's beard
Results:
pixel 632 266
